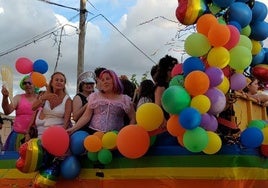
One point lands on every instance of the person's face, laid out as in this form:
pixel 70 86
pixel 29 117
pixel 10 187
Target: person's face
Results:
pixel 28 85
pixel 58 82
pixel 106 83
pixel 88 87
pixel 253 87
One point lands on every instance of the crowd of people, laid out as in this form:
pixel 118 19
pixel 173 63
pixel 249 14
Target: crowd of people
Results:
pixel 104 102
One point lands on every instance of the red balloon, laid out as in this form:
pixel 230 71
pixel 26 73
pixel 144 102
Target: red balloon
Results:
pixel 260 72
pixel 264 150
pixel 133 141
pixel 55 140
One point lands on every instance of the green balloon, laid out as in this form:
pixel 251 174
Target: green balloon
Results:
pixel 257 123
pixel 177 81
pixel 195 140
pixel 105 156
pixel 240 57
pixel 175 99
pixel 93 156
pixel 197 45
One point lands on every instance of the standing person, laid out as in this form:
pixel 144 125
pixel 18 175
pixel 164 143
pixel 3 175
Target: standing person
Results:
pixel 162 78
pixel 146 92
pixel 86 85
pixel 22 105
pixel 1 125
pixel 56 103
pixel 106 107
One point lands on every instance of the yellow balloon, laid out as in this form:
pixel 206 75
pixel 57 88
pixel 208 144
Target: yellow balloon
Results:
pixel 265 135
pixel 256 47
pixel 201 103
pixel 224 85
pixel 218 57
pixel 109 140
pixel 214 143
pixel 149 116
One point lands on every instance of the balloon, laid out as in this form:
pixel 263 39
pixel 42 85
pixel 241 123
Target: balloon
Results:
pixel 209 122
pixel 224 85
pixel 31 156
pixel 223 4
pixel 241 13
pixel 40 66
pixel 92 143
pixel 201 103
pixel 218 57
pixel 196 83
pixel 257 123
pixel 149 116
pixel 259 11
pixel 205 22
pixel 55 140
pixel 133 141
pixel 188 11
pixel 240 57
pixel 217 99
pixel 219 35
pixel 214 143
pixel 195 140
pixel 38 79
pixel 77 142
pixel 258 59
pixel 251 137
pixel 260 72
pixel 174 127
pixel 99 134
pixel 109 140
pixel 197 45
pixel 177 81
pixel 246 31
pixel 215 76
pixel 70 167
pixel 93 156
pixel 259 31
pixel 238 81
pixel 24 65
pixel 175 99
pixel 177 70
pixel 192 64
pixel 264 150
pixel 256 47
pixel 245 41
pixel 234 37
pixel 105 156
pixel 190 118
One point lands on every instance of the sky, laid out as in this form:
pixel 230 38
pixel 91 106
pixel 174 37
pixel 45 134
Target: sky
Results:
pixel 32 29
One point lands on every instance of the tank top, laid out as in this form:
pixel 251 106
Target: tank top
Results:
pixel 24 115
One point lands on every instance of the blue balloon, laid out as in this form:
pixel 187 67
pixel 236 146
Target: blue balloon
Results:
pixel 40 66
pixel 258 59
pixel 251 137
pixel 192 64
pixel 259 30
pixel 241 13
pixel 189 118
pixel 223 4
pixel 77 142
pixel 259 12
pixel 70 167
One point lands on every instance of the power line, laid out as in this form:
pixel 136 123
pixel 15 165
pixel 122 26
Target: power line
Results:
pixel 60 5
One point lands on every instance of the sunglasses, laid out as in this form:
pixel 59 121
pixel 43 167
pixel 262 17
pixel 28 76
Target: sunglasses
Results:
pixel 24 83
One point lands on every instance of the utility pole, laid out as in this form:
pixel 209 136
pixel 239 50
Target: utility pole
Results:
pixel 81 40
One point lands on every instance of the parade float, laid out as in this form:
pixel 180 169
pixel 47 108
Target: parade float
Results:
pixel 199 147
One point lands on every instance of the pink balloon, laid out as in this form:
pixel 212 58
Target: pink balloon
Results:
pixel 177 70
pixel 24 65
pixel 55 140
pixel 234 37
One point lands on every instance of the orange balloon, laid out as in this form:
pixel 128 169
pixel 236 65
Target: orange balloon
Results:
pixel 196 83
pixel 92 143
pixel 38 79
pixel 180 140
pixel 133 141
pixel 219 35
pixel 174 127
pixel 99 134
pixel 204 23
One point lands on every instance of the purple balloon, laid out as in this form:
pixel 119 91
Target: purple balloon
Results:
pixel 215 76
pixel 217 99
pixel 209 122
pixel 238 81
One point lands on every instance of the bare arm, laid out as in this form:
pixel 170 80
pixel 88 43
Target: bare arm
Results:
pixel 7 107
pixel 78 109
pixel 83 120
pixel 158 95
pixel 67 114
